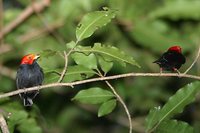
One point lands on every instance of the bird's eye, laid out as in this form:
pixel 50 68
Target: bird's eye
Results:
pixel 29 57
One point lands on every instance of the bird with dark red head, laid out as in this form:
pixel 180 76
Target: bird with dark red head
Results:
pixel 29 74
pixel 171 60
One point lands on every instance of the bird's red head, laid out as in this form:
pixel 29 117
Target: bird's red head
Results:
pixel 29 59
pixel 175 49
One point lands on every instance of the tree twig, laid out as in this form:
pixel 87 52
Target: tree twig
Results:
pixel 23 16
pixel 5 48
pixel 64 69
pixel 195 60
pixel 3 124
pixel 123 104
pixel 120 100
pixel 41 18
pixel 1 19
pixel 66 55
pixel 39 32
pixel 12 93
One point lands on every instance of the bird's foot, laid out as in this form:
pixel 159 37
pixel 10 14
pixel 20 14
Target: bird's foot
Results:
pixel 178 72
pixel 161 71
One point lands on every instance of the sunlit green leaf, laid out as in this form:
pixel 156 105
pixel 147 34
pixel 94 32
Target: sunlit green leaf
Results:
pixel 107 107
pixel 176 103
pixel 92 21
pixel 93 95
pixel 151 118
pixel 109 53
pixel 105 65
pixel 173 126
pixel 71 45
pixel 89 61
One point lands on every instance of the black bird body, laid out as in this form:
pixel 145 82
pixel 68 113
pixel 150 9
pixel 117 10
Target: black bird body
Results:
pixel 171 60
pixel 29 75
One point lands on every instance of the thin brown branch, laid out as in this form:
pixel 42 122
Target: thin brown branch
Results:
pixel 120 100
pixel 123 104
pixel 137 126
pixel 66 55
pixel 3 124
pixel 12 93
pixel 1 19
pixel 5 48
pixel 195 60
pixel 64 69
pixel 39 32
pixel 23 16
pixel 41 18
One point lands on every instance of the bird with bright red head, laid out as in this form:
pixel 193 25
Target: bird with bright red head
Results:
pixel 29 74
pixel 171 60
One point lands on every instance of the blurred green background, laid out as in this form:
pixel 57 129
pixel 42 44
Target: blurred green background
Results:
pixel 143 29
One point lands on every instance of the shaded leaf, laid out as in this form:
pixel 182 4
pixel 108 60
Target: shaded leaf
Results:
pixel 88 61
pixel 47 53
pixel 77 72
pixel 147 36
pixel 179 10
pixel 173 126
pixel 29 126
pixel 93 95
pixel 92 21
pixel 107 107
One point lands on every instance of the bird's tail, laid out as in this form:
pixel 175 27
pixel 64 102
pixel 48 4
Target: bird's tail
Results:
pixel 28 101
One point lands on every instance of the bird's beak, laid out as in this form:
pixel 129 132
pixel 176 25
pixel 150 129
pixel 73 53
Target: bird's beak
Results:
pixel 36 57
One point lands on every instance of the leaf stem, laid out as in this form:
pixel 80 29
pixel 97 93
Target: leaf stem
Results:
pixel 120 100
pixel 195 60
pixel 123 104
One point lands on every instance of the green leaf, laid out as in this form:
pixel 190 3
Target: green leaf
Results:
pixel 88 61
pixel 70 45
pixel 173 126
pixel 176 103
pixel 107 107
pixel 51 77
pixel 29 126
pixel 105 65
pixel 74 73
pixel 93 95
pixel 92 21
pixel 179 10
pixel 47 53
pixel 151 118
pixel 109 53
pixel 14 112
